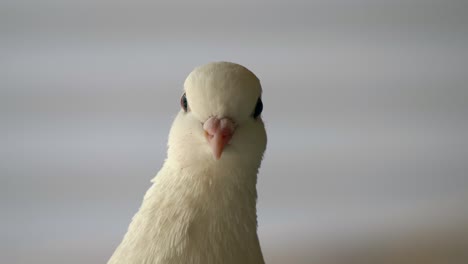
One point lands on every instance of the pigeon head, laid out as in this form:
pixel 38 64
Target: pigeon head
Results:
pixel 220 117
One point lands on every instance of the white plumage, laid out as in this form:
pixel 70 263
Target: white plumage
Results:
pixel 201 208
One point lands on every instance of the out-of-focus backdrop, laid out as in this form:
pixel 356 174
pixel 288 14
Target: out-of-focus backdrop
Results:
pixel 366 106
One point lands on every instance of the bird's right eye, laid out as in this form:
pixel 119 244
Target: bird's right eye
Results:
pixel 183 102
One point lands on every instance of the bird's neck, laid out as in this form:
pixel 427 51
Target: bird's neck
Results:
pixel 213 187
pixel 215 211
pixel 195 215
pixel 211 197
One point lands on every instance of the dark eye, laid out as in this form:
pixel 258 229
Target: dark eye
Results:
pixel 258 108
pixel 183 102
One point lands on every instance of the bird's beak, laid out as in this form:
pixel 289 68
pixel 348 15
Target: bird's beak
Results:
pixel 218 133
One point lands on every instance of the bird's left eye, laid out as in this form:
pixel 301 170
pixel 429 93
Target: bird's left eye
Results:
pixel 183 102
pixel 258 108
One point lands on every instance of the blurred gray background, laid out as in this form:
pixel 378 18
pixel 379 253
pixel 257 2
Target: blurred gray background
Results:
pixel 365 107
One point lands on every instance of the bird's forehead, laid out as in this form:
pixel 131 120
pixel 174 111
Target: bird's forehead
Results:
pixel 222 89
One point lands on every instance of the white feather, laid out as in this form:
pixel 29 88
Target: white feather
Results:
pixel 200 210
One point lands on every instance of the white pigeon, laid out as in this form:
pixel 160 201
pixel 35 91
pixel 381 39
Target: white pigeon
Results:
pixel 201 208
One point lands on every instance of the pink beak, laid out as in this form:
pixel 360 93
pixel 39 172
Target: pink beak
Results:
pixel 218 133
